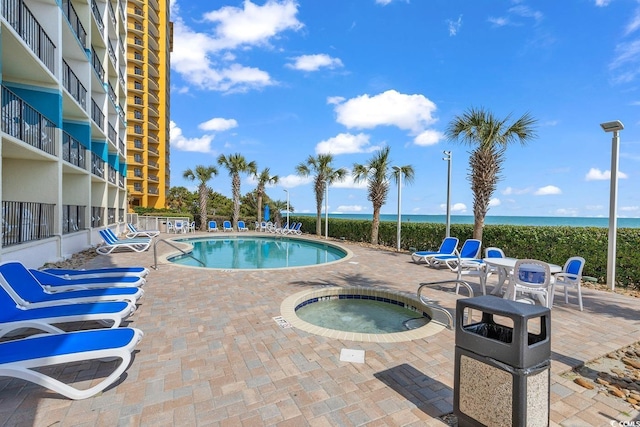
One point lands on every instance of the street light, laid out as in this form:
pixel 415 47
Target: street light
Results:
pixel 614 127
pixel 326 210
pixel 448 159
pixel 287 191
pixel 398 172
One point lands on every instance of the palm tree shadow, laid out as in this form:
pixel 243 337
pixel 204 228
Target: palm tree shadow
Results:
pixel 427 394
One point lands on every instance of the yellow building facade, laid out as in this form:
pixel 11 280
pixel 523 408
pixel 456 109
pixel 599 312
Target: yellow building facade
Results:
pixel 149 43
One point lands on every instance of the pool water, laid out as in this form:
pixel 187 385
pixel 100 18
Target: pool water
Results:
pixel 361 316
pixel 255 252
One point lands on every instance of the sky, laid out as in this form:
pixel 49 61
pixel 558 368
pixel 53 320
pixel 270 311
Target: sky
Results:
pixel 280 80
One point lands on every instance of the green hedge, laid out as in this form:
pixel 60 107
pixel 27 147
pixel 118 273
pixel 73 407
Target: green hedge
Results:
pixel 551 244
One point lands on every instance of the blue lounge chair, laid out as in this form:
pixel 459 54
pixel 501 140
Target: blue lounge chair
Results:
pixel 18 358
pixel 111 244
pixel 128 239
pixel 56 283
pixel 98 272
pixel 242 226
pixel 297 229
pixel 134 232
pixel 213 226
pixel 226 226
pixel 447 247
pixel 470 251
pixel 24 288
pixel 14 316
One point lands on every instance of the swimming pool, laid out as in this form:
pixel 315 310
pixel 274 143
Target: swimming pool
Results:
pixel 257 252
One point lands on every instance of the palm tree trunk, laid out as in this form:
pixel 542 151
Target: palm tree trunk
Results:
pixel 375 225
pixel 259 208
pixel 203 208
pixel 478 226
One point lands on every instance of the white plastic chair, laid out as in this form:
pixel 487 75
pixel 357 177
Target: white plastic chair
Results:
pixel 192 227
pixel 571 276
pixel 532 277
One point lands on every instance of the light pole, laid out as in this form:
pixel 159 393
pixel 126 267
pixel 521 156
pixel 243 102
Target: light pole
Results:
pixel 287 191
pixel 448 159
pixel 326 210
pixel 614 127
pixel 398 171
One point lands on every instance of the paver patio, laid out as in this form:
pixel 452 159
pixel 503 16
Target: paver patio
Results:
pixel 213 355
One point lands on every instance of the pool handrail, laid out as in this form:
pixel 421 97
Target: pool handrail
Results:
pixel 168 242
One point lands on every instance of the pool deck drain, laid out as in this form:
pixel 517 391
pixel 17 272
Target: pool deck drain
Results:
pixel 353 356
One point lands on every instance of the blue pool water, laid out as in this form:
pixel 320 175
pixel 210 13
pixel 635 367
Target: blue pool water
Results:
pixel 256 252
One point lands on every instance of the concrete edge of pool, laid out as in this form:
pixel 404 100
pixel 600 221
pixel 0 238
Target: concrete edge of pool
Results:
pixel 288 312
pixel 165 258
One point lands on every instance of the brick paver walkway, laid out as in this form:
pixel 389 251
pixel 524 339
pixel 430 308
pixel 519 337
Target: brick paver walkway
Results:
pixel 212 355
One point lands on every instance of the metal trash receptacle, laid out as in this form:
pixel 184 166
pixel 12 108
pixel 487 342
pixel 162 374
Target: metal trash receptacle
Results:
pixel 502 363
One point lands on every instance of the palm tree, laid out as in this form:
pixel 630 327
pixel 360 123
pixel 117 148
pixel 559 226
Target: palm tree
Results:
pixel 202 174
pixel 324 174
pixel 490 137
pixel 263 178
pixel 236 164
pixel 376 173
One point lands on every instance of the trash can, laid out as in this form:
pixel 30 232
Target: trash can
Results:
pixel 502 363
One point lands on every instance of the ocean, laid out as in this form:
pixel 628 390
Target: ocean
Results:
pixel 497 220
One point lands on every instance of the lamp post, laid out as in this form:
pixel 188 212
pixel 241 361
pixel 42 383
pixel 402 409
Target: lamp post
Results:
pixel 287 191
pixel 448 159
pixel 614 127
pixel 326 210
pixel 398 172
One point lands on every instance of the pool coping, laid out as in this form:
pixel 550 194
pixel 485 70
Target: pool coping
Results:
pixel 288 312
pixel 164 259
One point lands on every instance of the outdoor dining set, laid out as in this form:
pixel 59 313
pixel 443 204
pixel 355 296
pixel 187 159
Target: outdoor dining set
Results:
pixel 523 280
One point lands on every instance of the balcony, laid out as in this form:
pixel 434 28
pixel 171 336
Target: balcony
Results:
pixel 97 213
pixel 97 65
pixel 72 151
pixel 75 23
pixel 72 218
pixel 111 175
pixel 73 85
pixel 97 15
pixel 97 115
pixel 22 121
pixel 153 178
pixel 97 165
pixel 113 136
pixel 22 20
pixel 26 221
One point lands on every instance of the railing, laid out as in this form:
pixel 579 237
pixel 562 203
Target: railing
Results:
pixel 435 306
pixel 113 137
pixel 22 20
pixel 75 23
pixel 153 178
pixel 112 53
pixel 97 15
pixel 120 181
pixel 121 79
pixel 72 218
pixel 26 221
pixel 97 165
pixel 112 94
pixel 154 191
pixel 97 115
pixel 73 85
pixel 97 65
pixel 111 175
pixel 153 150
pixel 120 215
pixel 72 151
pixel 137 187
pixel 111 216
pixel 121 145
pixel 97 213
pixel 121 113
pixel 25 123
pixel 170 243
pixel 112 14
pixel 121 7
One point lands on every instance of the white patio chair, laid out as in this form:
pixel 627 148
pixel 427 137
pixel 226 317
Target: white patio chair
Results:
pixel 532 277
pixel 570 277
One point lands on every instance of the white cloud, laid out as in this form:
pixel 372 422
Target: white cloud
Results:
pixel 494 202
pixel 594 207
pixel 567 212
pixel 428 137
pixel 348 182
pixel 634 24
pixel 315 62
pixel 499 22
pixel 516 191
pixel 547 191
pixel 291 181
pixel 596 174
pixel 334 100
pixel 196 55
pixel 454 26
pixel 345 143
pixel 630 208
pixel 458 207
pixel 347 208
pixel 526 12
pixel 390 108
pixel 180 142
pixel 218 124
pixel 383 2
pixel 602 3
pixel 625 63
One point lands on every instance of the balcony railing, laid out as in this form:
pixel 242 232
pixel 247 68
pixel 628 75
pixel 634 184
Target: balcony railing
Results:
pixel 25 123
pixel 121 145
pixel 97 165
pixel 97 15
pixel 121 181
pixel 97 65
pixel 112 94
pixel 112 53
pixel 72 151
pixel 113 137
pixel 73 85
pixel 96 114
pixel 75 23
pixel 97 213
pixel 72 218
pixel 112 14
pixel 22 20
pixel 154 191
pixel 26 221
pixel 112 175
pixel 153 178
